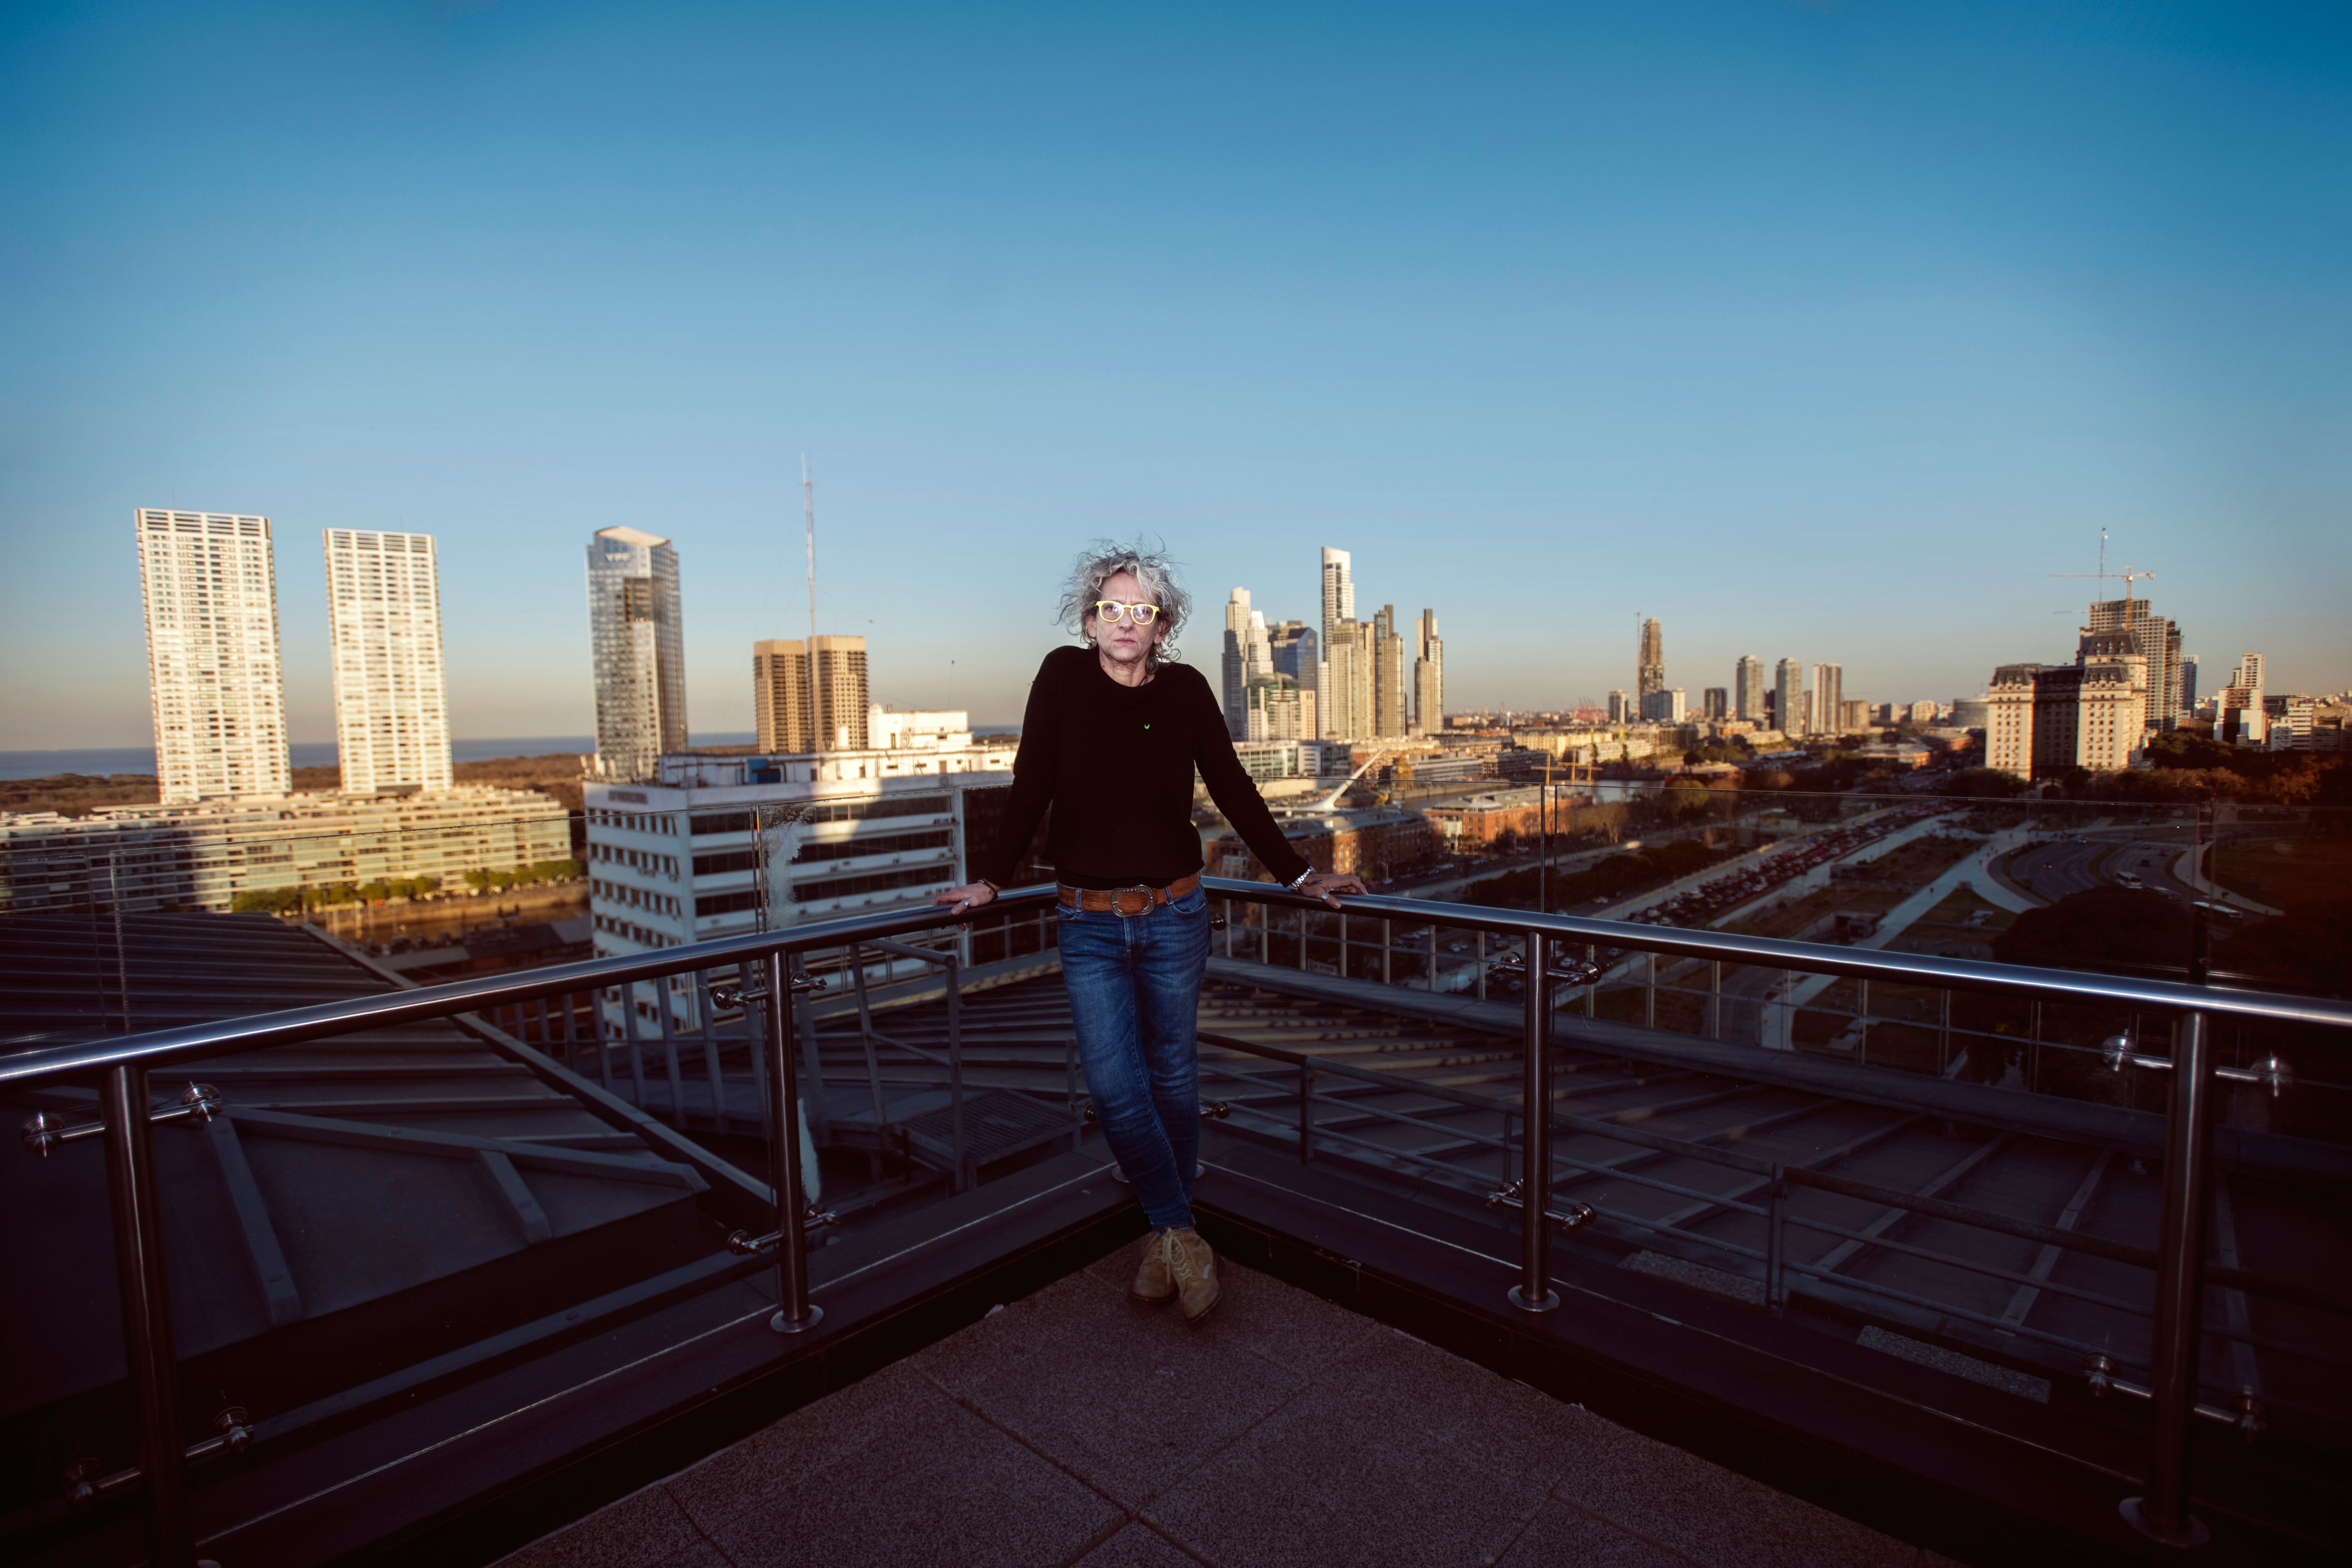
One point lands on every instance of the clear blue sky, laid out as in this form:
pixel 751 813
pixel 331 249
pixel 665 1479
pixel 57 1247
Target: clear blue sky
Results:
pixel 1818 331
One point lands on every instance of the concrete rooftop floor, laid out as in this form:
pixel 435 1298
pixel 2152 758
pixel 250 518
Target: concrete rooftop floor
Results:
pixel 1072 1427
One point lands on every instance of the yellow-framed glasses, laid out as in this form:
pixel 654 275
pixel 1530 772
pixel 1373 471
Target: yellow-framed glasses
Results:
pixel 1113 613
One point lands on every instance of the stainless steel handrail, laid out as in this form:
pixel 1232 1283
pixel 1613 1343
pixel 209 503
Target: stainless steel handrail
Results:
pixel 1773 952
pixel 125 1061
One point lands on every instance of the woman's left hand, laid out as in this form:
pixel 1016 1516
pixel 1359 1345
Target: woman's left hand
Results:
pixel 1326 885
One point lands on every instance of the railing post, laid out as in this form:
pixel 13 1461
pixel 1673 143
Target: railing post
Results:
pixel 1591 991
pixel 1432 955
pixel 1775 1279
pixel 148 1350
pixel 1534 1293
pixel 1714 998
pixel 1862 1022
pixel 2034 1057
pixel 1650 991
pixel 2162 1512
pixel 1482 966
pixel 1306 1111
pixel 795 1314
pixel 1943 1032
pixel 955 1071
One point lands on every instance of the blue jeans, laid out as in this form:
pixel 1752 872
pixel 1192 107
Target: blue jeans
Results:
pixel 1135 994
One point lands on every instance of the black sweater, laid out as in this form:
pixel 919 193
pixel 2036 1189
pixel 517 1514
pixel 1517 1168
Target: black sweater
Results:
pixel 1116 764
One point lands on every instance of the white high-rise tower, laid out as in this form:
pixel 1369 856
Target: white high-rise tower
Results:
pixel 211 595
pixel 384 611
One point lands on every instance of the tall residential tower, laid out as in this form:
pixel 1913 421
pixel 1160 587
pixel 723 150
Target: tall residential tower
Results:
pixel 1747 688
pixel 638 643
pixel 383 613
pixel 211 594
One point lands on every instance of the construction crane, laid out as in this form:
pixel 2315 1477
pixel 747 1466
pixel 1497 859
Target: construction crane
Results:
pixel 2129 577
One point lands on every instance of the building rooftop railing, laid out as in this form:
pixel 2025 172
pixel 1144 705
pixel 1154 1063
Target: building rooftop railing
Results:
pixel 1566 950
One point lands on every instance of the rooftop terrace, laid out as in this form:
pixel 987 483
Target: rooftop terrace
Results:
pixel 1863 1250
pixel 1071 1426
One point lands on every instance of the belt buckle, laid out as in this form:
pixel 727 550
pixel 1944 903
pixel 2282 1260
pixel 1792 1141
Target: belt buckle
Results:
pixel 1118 900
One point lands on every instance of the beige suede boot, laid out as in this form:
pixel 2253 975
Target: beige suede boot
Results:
pixel 1192 1269
pixel 1154 1285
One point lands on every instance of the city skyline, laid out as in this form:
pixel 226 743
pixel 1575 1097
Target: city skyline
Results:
pixel 1790 317
pixel 656 559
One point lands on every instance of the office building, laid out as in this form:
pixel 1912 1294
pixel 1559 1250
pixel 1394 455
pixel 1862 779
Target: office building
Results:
pixel 1391 698
pixel 2290 720
pixel 1828 698
pixel 1856 717
pixel 1248 654
pixel 210 588
pixel 802 703
pixel 1429 677
pixel 1650 662
pixel 2242 716
pixel 384 617
pixel 1919 714
pixel 2155 642
pixel 2248 676
pixel 1349 653
pixel 1338 591
pixel 1296 651
pixel 1621 707
pixel 2042 720
pixel 1275 709
pixel 1715 704
pixel 1747 688
pixel 1789 690
pixel 710 847
pixel 638 640
pixel 2188 684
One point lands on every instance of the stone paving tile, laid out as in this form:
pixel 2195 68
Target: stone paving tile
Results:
pixel 641 1531
pixel 1128 1398
pixel 1327 1479
pixel 1714 1515
pixel 943 1486
pixel 1136 1546
pixel 757 1470
pixel 1516 1430
pixel 1561 1534
pixel 1288 1326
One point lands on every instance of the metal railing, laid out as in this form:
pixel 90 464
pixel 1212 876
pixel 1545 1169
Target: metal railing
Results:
pixel 772 972
pixel 1549 946
pixel 771 963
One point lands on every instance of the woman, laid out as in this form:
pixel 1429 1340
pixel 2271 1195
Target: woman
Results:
pixel 1111 740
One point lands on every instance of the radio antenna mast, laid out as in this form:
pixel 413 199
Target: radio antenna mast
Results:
pixel 808 514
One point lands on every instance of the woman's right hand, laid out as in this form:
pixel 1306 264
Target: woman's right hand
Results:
pixel 968 897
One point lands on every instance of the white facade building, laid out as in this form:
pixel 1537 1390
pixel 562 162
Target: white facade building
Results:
pixel 682 856
pixel 210 588
pixel 384 615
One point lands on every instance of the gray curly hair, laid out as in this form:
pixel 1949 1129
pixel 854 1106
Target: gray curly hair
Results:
pixel 1105 559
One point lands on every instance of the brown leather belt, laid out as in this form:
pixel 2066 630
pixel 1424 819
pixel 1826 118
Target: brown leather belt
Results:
pixel 1138 899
